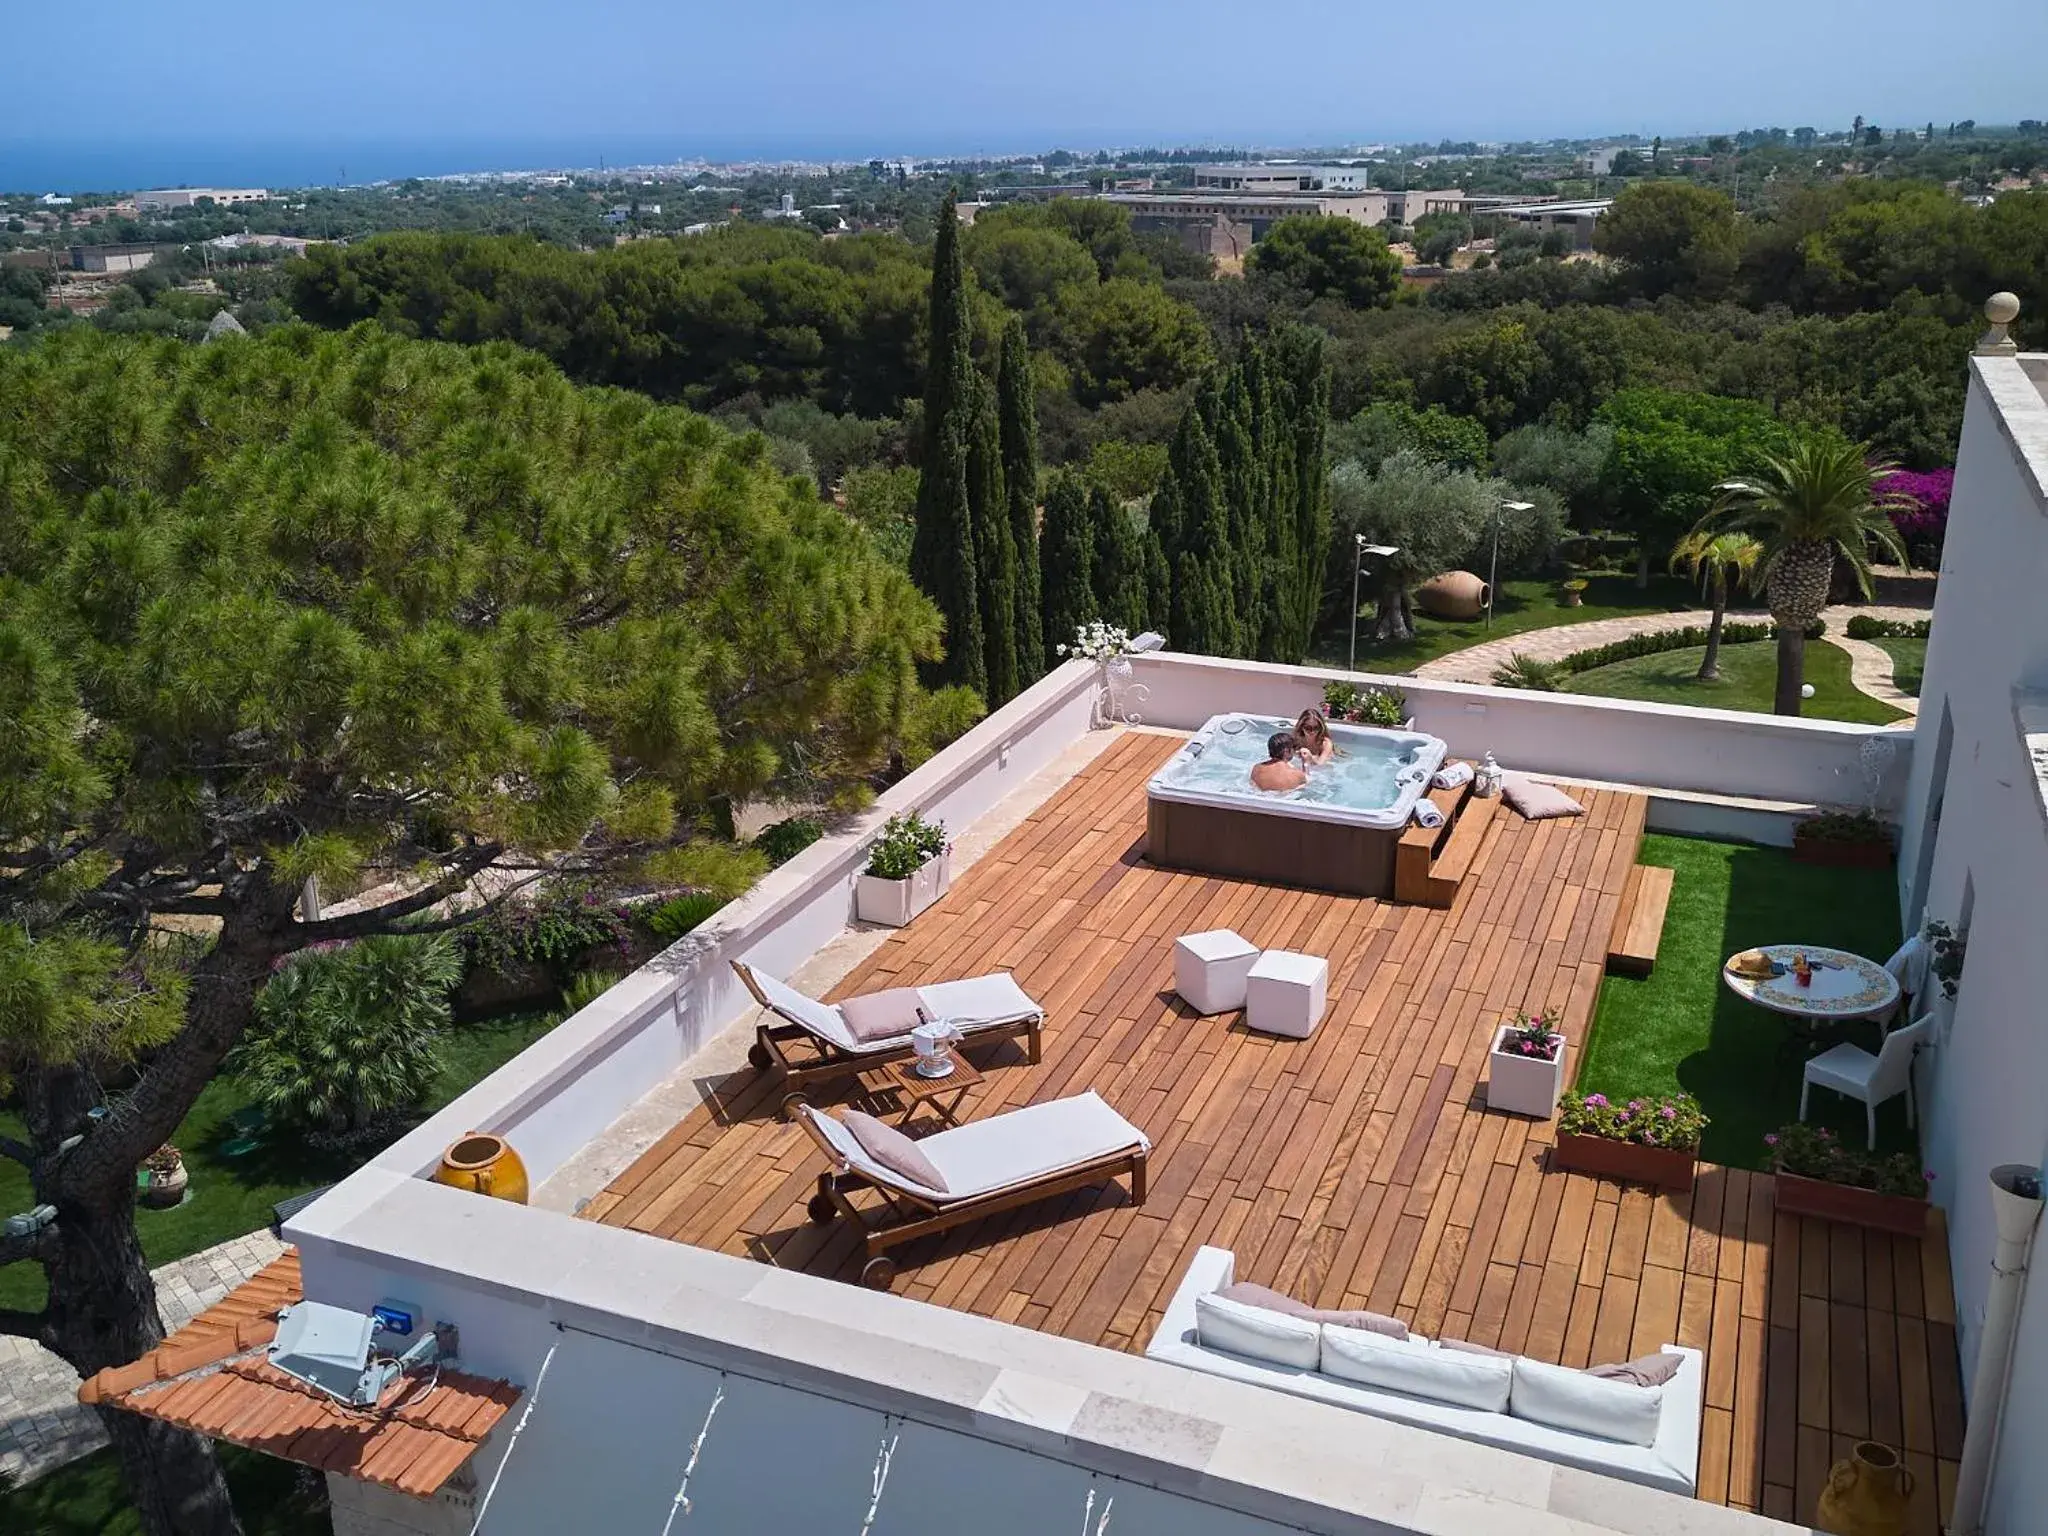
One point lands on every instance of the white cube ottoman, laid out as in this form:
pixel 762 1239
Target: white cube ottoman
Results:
pixel 1285 994
pixel 1209 969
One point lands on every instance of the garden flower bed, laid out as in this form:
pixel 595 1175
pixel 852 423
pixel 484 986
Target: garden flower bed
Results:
pixel 1643 1141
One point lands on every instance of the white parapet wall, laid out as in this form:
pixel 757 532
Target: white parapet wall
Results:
pixel 1652 746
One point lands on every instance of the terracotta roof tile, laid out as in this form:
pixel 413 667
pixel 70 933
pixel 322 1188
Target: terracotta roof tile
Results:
pixel 211 1376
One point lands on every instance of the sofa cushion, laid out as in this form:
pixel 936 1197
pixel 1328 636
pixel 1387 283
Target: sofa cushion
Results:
pixel 1277 1301
pixel 882 1015
pixel 893 1150
pixel 1572 1400
pixel 1257 1333
pixel 1537 802
pixel 1418 1368
pixel 1466 1347
pixel 1649 1371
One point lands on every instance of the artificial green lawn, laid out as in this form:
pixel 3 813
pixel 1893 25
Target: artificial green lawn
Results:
pixel 1749 676
pixel 1519 607
pixel 1681 1029
pixel 1909 661
pixel 86 1499
pixel 233 1195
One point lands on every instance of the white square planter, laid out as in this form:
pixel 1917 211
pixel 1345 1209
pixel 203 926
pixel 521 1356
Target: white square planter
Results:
pixel 1523 1085
pixel 1285 994
pixel 893 903
pixel 1210 969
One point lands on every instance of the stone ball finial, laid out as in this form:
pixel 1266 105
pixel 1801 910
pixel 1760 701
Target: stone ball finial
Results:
pixel 2001 309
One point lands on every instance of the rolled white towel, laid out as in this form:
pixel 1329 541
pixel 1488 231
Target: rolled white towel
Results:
pixel 1426 814
pixel 1452 775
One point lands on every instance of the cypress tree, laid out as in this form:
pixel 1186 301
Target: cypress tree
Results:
pixel 1301 363
pixel 942 550
pixel 995 560
pixel 1204 607
pixel 1120 595
pixel 1017 419
pixel 1066 559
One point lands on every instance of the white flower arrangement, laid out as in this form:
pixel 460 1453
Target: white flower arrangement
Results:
pixel 1098 641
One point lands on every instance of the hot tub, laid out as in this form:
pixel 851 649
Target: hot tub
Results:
pixel 1336 833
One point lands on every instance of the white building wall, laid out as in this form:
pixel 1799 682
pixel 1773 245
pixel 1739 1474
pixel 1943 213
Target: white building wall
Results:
pixel 1985 1086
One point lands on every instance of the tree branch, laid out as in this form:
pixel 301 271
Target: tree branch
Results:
pixel 354 925
pixel 20 1151
pixel 24 1325
pixel 29 1246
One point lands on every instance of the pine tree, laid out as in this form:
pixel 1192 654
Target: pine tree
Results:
pixel 995 560
pixel 942 550
pixel 1119 585
pixel 1017 419
pixel 1066 560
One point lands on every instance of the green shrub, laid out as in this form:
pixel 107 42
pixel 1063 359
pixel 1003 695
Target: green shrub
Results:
pixel 906 843
pixel 1522 671
pixel 784 840
pixel 1844 827
pixel 344 1038
pixel 670 920
pixel 1369 704
pixel 1865 627
pixel 1687 638
pixel 586 988
pixel 555 930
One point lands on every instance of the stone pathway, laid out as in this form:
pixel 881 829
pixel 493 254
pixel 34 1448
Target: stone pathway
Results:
pixel 42 1423
pixel 1870 669
pixel 1476 663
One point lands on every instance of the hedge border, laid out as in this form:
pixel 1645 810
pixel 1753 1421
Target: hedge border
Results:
pixel 1866 627
pixel 1655 641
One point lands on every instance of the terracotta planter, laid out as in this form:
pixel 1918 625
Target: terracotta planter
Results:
pixel 1452 595
pixel 1626 1160
pixel 1523 1085
pixel 485 1164
pixel 894 903
pixel 163 1188
pixel 1903 1214
pixel 1867 1494
pixel 1837 855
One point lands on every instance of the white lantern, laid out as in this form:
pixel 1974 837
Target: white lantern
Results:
pixel 1486 782
pixel 934 1041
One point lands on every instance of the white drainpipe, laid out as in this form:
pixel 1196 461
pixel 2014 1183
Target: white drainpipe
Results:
pixel 2016 1205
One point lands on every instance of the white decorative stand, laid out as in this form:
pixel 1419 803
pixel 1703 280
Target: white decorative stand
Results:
pixel 1116 696
pixel 1210 969
pixel 893 903
pixel 1523 1085
pixel 1285 994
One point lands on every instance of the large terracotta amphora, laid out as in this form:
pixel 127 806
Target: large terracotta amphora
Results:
pixel 486 1164
pixel 1866 1494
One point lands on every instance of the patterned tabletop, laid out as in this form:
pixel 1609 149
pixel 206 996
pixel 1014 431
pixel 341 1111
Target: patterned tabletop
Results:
pixel 1844 986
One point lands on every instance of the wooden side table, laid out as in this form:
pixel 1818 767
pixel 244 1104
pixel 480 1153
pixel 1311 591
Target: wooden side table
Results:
pixel 912 1088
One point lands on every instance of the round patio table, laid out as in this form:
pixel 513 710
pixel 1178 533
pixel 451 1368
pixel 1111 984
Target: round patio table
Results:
pixel 1845 987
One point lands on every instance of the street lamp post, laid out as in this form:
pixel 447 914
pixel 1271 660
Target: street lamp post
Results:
pixel 1493 566
pixel 1361 550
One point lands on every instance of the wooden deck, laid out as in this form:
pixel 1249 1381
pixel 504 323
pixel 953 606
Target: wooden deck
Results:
pixel 1357 1167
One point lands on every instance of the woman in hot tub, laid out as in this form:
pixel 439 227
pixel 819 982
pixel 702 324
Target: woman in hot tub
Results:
pixel 1279 772
pixel 1312 736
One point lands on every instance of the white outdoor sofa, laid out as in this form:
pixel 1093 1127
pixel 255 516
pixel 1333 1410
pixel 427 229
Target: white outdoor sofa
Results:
pixel 1670 1463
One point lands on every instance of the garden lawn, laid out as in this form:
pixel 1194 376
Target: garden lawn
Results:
pixel 1681 1029
pixel 86 1499
pixel 1520 606
pixel 232 1193
pixel 1749 678
pixel 1909 661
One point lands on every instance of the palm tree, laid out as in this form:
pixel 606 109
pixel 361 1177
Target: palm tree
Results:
pixel 1805 507
pixel 1713 558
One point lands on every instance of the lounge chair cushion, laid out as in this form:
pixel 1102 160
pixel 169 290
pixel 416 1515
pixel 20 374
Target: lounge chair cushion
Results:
pixel 1537 802
pixel 1257 1333
pixel 1563 1398
pixel 1274 1301
pixel 1649 1371
pixel 1418 1368
pixel 979 1000
pixel 983 1156
pixel 881 1016
pixel 821 1019
pixel 893 1150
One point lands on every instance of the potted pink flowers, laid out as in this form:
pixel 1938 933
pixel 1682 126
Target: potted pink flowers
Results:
pixel 1818 1175
pixel 1645 1141
pixel 1525 1070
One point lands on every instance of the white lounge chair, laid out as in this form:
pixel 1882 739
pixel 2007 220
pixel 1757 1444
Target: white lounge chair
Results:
pixel 1854 1073
pixel 991 1165
pixel 813 1044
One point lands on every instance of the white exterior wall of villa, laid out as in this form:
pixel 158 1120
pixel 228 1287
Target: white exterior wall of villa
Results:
pixel 1988 866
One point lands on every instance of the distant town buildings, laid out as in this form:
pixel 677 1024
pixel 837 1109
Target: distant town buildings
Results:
pixel 290 244
pixel 111 258
pixel 1576 219
pixel 190 197
pixel 1225 223
pixel 785 209
pixel 1282 177
pixel 52 200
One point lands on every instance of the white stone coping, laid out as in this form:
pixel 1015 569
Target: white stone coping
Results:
pixel 510 1275
pixel 2017 388
pixel 2030 714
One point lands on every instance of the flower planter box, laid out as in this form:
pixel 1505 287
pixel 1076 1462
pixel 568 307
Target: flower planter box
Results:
pixel 894 903
pixel 1845 1203
pixel 1523 1085
pixel 1832 854
pixel 1627 1160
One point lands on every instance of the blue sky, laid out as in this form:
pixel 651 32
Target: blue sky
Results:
pixel 457 84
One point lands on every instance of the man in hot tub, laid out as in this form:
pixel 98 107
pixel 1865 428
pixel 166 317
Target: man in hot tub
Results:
pixel 1280 771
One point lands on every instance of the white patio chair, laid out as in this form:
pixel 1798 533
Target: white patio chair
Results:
pixel 1909 966
pixel 1854 1073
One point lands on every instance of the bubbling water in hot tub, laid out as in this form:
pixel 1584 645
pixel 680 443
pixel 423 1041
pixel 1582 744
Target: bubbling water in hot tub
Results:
pixel 1367 774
